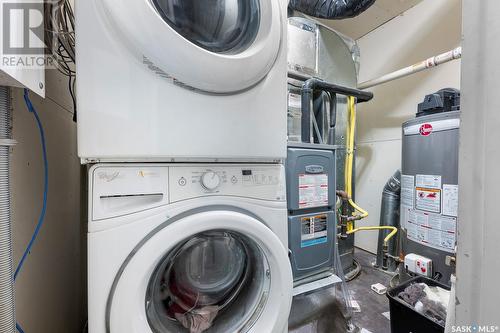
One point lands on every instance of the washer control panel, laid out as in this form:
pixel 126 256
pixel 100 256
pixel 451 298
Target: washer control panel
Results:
pixel 265 182
pixel 117 190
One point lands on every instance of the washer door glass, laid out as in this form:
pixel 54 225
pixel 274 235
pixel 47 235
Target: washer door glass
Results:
pixel 222 26
pixel 212 271
pixel 212 282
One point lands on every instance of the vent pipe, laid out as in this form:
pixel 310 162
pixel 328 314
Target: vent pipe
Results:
pixel 331 9
pixel 389 216
pixel 7 308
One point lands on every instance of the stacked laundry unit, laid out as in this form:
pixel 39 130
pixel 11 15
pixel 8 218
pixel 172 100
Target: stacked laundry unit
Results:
pixel 182 122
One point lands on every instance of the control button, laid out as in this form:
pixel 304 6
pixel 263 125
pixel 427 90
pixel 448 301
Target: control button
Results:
pixel 210 180
pixel 234 180
pixel 182 181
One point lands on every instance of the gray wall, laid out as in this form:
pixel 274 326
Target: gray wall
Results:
pixel 429 28
pixel 478 266
pixel 50 289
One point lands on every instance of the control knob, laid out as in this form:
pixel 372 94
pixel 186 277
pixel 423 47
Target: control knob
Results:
pixel 210 180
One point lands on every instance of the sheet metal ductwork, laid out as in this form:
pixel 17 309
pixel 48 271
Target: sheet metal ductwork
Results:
pixel 331 9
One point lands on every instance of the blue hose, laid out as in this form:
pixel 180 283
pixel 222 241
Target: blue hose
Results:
pixel 41 218
pixel 19 328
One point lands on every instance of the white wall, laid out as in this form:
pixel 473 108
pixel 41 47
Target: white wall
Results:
pixel 50 289
pixel 478 257
pixel 429 28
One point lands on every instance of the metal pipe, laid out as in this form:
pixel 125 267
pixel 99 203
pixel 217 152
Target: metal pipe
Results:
pixel 7 307
pixel 418 67
pixel 307 96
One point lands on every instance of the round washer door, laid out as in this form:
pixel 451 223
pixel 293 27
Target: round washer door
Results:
pixel 217 46
pixel 214 271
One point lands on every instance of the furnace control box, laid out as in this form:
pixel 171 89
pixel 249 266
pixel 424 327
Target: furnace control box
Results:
pixel 311 193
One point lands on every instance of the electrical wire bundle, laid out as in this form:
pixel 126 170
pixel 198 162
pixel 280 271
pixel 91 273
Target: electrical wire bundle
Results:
pixel 60 39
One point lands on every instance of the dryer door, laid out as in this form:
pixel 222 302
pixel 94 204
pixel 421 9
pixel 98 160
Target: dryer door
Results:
pixel 214 271
pixel 217 46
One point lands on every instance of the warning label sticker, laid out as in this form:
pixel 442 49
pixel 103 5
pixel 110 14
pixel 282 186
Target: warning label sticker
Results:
pixel 428 181
pixel 450 200
pixel 407 191
pixel 428 199
pixel 431 230
pixel 314 230
pixel 313 190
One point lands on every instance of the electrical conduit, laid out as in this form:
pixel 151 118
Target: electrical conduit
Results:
pixel 7 305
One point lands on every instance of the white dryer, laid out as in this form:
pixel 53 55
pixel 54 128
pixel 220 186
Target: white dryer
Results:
pixel 181 79
pixel 188 248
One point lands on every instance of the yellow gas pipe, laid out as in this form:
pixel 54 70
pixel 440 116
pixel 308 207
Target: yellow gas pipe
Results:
pixel 393 232
pixel 351 131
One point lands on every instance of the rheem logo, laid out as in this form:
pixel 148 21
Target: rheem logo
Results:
pixel 426 129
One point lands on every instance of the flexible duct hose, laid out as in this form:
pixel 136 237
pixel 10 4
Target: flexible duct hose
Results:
pixel 331 9
pixel 7 307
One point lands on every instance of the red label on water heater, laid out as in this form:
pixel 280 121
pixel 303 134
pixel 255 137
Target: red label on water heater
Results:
pixel 426 129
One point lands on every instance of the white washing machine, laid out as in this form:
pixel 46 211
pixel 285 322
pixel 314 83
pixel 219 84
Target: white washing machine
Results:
pixel 187 80
pixel 188 248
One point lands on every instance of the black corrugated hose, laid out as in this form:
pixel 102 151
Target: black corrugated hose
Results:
pixel 331 9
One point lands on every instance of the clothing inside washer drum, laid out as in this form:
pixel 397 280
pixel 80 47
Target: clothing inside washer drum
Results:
pixel 202 277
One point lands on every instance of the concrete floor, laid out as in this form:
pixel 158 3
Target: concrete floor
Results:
pixel 321 312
